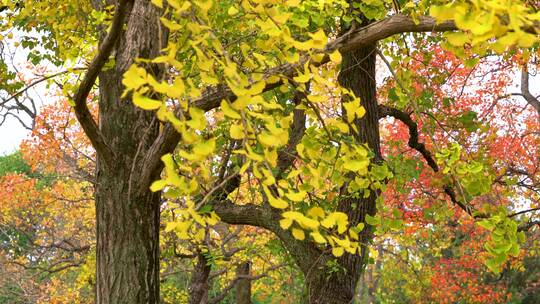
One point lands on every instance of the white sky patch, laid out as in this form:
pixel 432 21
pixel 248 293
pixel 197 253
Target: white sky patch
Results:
pixel 12 133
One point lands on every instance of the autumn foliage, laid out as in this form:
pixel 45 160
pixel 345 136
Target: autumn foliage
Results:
pixel 271 151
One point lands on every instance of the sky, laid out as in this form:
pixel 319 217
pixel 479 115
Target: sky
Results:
pixel 12 133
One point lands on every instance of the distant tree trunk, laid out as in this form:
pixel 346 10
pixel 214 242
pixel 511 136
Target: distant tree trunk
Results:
pixel 243 287
pixel 199 286
pixel 367 287
pixel 127 211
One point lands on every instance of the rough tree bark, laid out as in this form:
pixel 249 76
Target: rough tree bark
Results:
pixel 243 287
pixel 200 285
pixel 358 74
pixel 127 212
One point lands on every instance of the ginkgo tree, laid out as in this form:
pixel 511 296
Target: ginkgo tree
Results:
pixel 263 113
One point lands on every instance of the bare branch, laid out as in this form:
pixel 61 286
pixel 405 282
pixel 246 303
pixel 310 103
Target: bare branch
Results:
pixel 524 211
pixel 413 133
pixel 36 82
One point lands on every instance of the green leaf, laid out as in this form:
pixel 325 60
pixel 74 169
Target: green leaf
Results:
pixel 486 224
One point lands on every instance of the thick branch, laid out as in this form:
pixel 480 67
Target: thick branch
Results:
pixel 249 214
pixel 388 27
pixel 353 40
pixel 81 108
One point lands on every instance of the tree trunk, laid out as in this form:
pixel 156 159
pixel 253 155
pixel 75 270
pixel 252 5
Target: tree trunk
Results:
pixel 127 212
pixel 127 242
pixel 243 287
pixel 199 286
pixel 327 285
pixel 358 74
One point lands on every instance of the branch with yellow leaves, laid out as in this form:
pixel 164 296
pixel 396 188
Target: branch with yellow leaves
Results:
pixel 350 41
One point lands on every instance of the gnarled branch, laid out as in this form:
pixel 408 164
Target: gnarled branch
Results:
pixel 426 154
pixel 81 108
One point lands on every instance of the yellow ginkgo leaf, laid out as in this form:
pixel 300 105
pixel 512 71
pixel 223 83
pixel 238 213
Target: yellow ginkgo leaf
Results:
pixel 308 223
pixel 345 243
pixel 134 78
pixel 146 103
pixel 352 248
pixel 268 140
pixel 158 185
pixel 337 251
pixel 328 222
pixel 158 3
pixel 298 234
pixel 356 165
pixel 232 11
pixel 316 212
pixel 170 226
pixel 257 88
pixel 205 148
pixel 293 215
pixel 302 78
pixel 228 111
pixel 236 131
pixel 336 57
pixel 319 39
pixel 198 120
pixel 293 3
pixel 317 237
pixel 270 155
pixel 277 203
pixel 285 223
pixel 336 218
pixel 296 196
pixel 353 235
